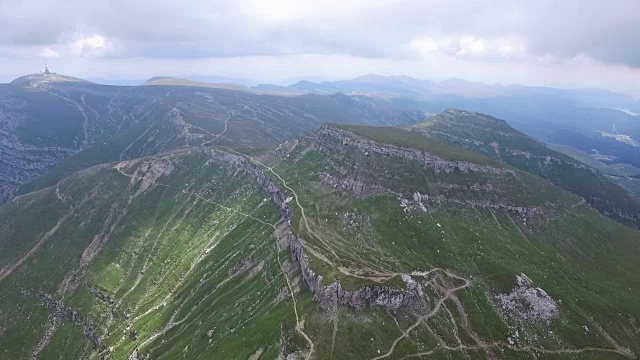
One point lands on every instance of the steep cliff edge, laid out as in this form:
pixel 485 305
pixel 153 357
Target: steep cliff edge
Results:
pixel 362 242
pixel 494 138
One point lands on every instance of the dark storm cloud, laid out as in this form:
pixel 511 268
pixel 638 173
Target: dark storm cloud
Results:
pixel 604 30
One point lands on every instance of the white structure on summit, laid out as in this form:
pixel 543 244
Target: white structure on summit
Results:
pixel 46 69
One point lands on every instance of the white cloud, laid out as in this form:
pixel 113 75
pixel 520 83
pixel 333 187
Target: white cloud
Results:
pixel 49 53
pixel 91 46
pixel 511 48
pixel 527 41
pixel 470 47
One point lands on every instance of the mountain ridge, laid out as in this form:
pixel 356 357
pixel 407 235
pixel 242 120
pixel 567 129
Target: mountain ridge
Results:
pixel 43 125
pixel 493 137
pixel 407 248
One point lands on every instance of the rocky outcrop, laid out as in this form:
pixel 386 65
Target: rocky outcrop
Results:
pixel 528 303
pixel 241 266
pixel 354 186
pixel 328 136
pixel 21 162
pixel 384 296
pixel 460 141
pixel 60 310
pixel 111 302
pixel 421 200
pixel 475 187
pixel 331 295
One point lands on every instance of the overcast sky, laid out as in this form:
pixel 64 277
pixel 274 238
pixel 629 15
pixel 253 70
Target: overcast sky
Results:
pixel 568 43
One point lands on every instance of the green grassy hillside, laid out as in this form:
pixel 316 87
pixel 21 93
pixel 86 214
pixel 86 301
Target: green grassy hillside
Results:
pixel 66 126
pixel 402 247
pixel 494 138
pixel 176 247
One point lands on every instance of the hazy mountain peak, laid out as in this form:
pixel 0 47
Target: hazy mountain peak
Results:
pixel 462 116
pixel 40 79
pixel 173 81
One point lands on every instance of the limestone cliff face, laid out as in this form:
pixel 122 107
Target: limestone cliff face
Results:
pixel 410 298
pixel 351 185
pixel 492 137
pixel 21 162
pixel 60 310
pixel 328 136
pixel 330 295
pixel 525 212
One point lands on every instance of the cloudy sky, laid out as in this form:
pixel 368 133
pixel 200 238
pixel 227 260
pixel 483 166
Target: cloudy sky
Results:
pixel 565 43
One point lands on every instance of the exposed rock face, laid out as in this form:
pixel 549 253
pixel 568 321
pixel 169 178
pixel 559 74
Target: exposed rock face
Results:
pixel 410 298
pixel 134 355
pixel 104 297
pixel 21 162
pixel 528 303
pixel 327 136
pixel 420 200
pixel 333 294
pixel 89 328
pixel 352 185
pixel 492 137
pixel 112 303
pixel 240 266
pixel 147 171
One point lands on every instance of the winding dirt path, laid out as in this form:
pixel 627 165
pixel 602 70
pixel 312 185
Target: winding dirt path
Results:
pixel 448 293
pixel 171 324
pixel 226 126
pixel 534 349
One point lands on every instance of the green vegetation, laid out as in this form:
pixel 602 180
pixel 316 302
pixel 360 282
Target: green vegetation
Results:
pixel 179 255
pixel 166 257
pixel 56 129
pixel 494 138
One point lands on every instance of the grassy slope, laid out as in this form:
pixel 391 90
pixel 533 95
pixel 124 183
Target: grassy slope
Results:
pixel 575 254
pixel 619 173
pixel 477 132
pixel 578 256
pixel 177 248
pixel 132 122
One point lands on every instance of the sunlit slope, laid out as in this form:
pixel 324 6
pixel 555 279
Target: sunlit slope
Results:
pixel 347 242
pixel 382 202
pixel 173 248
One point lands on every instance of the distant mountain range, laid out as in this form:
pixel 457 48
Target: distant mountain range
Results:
pixel 45 119
pixel 587 123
